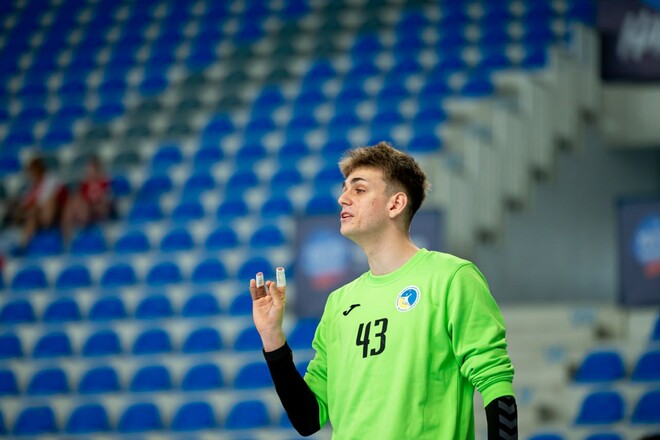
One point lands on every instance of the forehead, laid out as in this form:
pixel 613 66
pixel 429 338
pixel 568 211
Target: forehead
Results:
pixel 370 175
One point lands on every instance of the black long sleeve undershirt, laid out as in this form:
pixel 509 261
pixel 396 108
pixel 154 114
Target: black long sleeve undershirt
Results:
pixel 298 400
pixel 301 406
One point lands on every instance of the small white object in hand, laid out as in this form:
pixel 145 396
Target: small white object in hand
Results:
pixel 280 277
pixel 260 279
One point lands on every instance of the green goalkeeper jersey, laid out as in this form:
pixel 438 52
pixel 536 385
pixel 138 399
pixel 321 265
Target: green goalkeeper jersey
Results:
pixel 398 356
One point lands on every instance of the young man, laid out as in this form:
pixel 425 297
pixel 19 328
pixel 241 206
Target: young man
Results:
pixel 400 349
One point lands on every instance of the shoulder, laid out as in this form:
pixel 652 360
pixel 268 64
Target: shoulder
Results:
pixel 346 289
pixel 447 262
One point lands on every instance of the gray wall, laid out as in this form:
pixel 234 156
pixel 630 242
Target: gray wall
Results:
pixel 563 245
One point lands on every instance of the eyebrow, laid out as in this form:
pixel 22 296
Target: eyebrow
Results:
pixel 353 181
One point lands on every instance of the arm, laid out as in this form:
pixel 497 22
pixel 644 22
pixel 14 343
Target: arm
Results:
pixel 502 418
pixel 268 302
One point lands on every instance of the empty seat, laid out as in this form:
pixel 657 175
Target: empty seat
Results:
pixel 242 180
pixel 132 242
pixel 202 340
pixel 546 436
pixel 54 344
pixel 604 436
pixel 38 420
pixel 322 204
pixel 102 343
pixel 88 418
pixel 241 305
pixel 98 380
pixel 647 368
pixel 153 341
pixel 177 240
pixel 155 186
pixel 107 308
pixel 140 417
pixel 250 267
pixel 74 277
pixel 285 178
pixel 223 237
pixel 201 304
pixel 249 414
pixel 145 211
pixel 601 366
pixel 118 275
pixel 164 273
pixel 198 183
pixel 89 241
pixel 29 278
pixel 303 333
pixel 267 236
pixel 194 416
pixel 202 377
pixel 8 384
pixel 62 310
pixel 248 340
pixel 207 156
pixel 47 382
pixel 188 210
pixel 276 206
pixel 655 334
pixel 253 375
pixel 210 270
pixel 153 307
pixel 647 410
pixel 232 208
pixel 17 311
pixel 151 378
pixel 601 407
pixel 10 346
pixel 166 156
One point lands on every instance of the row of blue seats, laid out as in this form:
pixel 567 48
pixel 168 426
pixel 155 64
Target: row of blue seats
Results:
pixel 143 417
pixel 152 341
pixel 152 378
pixel 609 407
pixel 600 435
pixel 110 308
pixel 608 366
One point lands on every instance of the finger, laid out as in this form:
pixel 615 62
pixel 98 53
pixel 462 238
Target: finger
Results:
pixel 257 291
pixel 280 276
pixel 278 298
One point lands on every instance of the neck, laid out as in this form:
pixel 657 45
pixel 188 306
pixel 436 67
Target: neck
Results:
pixel 387 254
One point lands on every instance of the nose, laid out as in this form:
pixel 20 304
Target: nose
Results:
pixel 343 198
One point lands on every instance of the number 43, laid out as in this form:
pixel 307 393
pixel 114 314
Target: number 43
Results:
pixel 363 340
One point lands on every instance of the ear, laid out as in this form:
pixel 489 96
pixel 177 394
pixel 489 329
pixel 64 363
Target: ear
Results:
pixel 397 204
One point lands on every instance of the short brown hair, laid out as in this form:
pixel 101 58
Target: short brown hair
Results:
pixel 400 172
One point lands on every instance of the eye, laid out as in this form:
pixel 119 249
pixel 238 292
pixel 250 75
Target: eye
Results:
pixel 359 190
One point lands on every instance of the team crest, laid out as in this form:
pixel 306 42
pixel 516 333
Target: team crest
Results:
pixel 407 299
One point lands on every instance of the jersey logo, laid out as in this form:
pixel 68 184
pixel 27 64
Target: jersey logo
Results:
pixel 346 312
pixel 407 299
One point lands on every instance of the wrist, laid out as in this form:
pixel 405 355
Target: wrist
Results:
pixel 273 340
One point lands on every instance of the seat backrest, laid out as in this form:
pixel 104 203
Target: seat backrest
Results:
pixel 202 377
pixel 35 421
pixel 151 378
pixel 140 417
pixel 47 382
pixel 102 379
pixel 102 343
pixel 88 418
pixel 248 414
pixel 194 416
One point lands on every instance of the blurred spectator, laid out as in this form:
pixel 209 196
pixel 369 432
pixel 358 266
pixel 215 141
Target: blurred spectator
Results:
pixel 40 204
pixel 90 202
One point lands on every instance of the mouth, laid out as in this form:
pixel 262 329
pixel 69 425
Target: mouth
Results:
pixel 345 216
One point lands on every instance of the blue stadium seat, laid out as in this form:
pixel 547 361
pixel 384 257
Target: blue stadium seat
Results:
pixel 51 345
pixel 29 278
pixel 290 153
pixel 200 304
pixel 38 420
pixel 154 307
pixel 299 126
pixel 199 183
pixel 249 414
pixel 217 128
pixel 390 96
pixel 424 143
pixel 57 135
pixel 303 333
pixel 74 277
pixel 102 343
pixel 655 334
pixel 647 409
pixel 242 179
pixel 267 236
pixel 332 151
pixel 248 340
pixel 47 382
pixel 250 267
pixel 269 99
pixel 118 275
pixel 604 436
pixel 62 310
pixel 232 208
pixel 8 384
pixel 202 377
pixel 322 204
pixel 436 88
pixel 155 186
pixel 321 71
pixel 253 375
pixel 153 341
pixel 16 312
pixel 384 122
pixel 132 242
pixel 601 407
pixel 647 368
pixel 108 111
pixel 327 177
pixel 193 416
pixel 276 206
pixel 120 186
pixel 107 309
pixel 207 156
pixel 241 305
pixel 188 210
pixel 362 70
pixel 153 84
pixel 177 240
pixel 366 46
pixel 140 417
pixel 223 237
pixel 164 273
pixel 9 165
pixel 307 101
pixel 99 380
pixel 10 346
pixel 210 270
pixel 546 436
pixel 145 211
pixel 150 379
pixel 602 366
pixel 164 158
pixel 202 340
pixel 88 418
pixel 89 241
